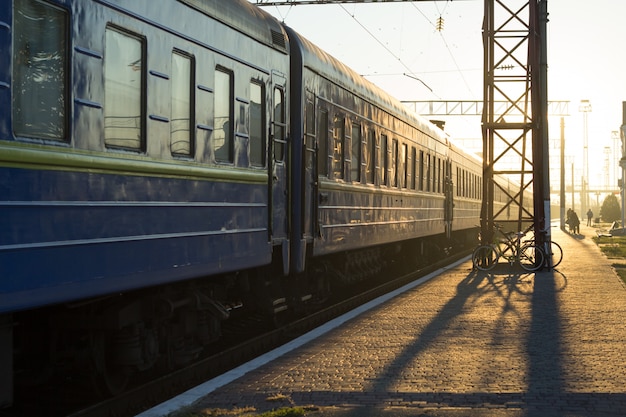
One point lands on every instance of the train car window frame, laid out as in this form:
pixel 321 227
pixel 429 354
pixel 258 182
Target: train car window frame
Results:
pixel 322 143
pixel 370 156
pixel 339 137
pixel 280 124
pixel 384 156
pixel 309 146
pixel 439 175
pixel 404 155
pixel 355 153
pixel 257 121
pixel 121 108
pixel 422 164
pixel 183 105
pixel 223 116
pixel 394 162
pixel 462 183
pixel 426 162
pixel 413 167
pixel 40 96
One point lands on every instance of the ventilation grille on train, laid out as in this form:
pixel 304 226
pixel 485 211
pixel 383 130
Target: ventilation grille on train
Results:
pixel 278 39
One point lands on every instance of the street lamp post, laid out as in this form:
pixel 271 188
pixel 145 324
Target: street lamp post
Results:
pixel 585 108
pixel 622 161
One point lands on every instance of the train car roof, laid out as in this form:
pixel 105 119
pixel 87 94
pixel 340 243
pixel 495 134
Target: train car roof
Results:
pixel 336 71
pixel 246 18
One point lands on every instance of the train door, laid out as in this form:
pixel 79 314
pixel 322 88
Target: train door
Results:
pixel 278 173
pixel 448 187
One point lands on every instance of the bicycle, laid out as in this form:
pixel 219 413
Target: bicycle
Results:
pixel 529 256
pixel 555 251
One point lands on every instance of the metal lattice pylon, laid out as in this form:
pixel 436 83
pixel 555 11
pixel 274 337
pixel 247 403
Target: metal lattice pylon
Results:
pixel 515 137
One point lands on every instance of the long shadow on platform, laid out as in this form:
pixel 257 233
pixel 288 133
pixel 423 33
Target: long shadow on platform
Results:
pixel 545 395
pixel 468 288
pixel 544 346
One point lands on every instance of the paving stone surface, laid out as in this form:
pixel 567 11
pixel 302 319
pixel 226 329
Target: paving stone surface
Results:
pixel 504 343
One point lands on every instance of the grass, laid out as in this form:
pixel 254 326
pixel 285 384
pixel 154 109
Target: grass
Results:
pixel 251 411
pixel 614 247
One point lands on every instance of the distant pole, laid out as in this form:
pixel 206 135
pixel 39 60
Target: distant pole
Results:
pixel 573 195
pixel 585 108
pixel 562 173
pixel 622 162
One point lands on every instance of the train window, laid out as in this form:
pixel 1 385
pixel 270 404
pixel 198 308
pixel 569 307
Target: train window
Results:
pixel 322 145
pixel 475 187
pixel 462 183
pixel 310 116
pixel 370 151
pixel 280 124
pixel 123 90
pixel 40 57
pixel 433 173
pixel 464 179
pixel 182 133
pixel 472 186
pixel 223 125
pixel 422 164
pixel 384 158
pixel 404 156
pixel 439 175
pixel 338 148
pixel 394 163
pixel 309 135
pixel 429 176
pixel 257 124
pixel 413 171
pixel 355 166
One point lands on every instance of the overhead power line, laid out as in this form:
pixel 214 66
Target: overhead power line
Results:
pixel 304 2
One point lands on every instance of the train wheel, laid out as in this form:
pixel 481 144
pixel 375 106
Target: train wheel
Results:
pixel 109 379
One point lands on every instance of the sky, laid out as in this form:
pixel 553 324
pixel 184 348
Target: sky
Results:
pixel 385 41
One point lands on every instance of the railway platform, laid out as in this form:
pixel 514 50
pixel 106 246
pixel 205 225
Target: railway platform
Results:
pixel 467 343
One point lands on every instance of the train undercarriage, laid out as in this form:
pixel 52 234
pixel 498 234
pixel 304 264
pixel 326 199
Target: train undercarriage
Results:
pixel 111 339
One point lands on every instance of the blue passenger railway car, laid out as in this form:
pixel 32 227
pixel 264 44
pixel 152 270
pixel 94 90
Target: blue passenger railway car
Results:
pixel 374 175
pixel 164 168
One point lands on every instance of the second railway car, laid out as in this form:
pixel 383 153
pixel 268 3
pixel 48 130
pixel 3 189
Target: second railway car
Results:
pixel 375 178
pixel 162 168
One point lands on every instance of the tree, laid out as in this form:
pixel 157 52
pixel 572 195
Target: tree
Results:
pixel 610 210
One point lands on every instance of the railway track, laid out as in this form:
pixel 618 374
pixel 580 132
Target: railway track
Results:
pixel 161 388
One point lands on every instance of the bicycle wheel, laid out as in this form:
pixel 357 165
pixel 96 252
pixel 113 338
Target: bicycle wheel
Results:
pixel 531 257
pixel 557 253
pixel 484 257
